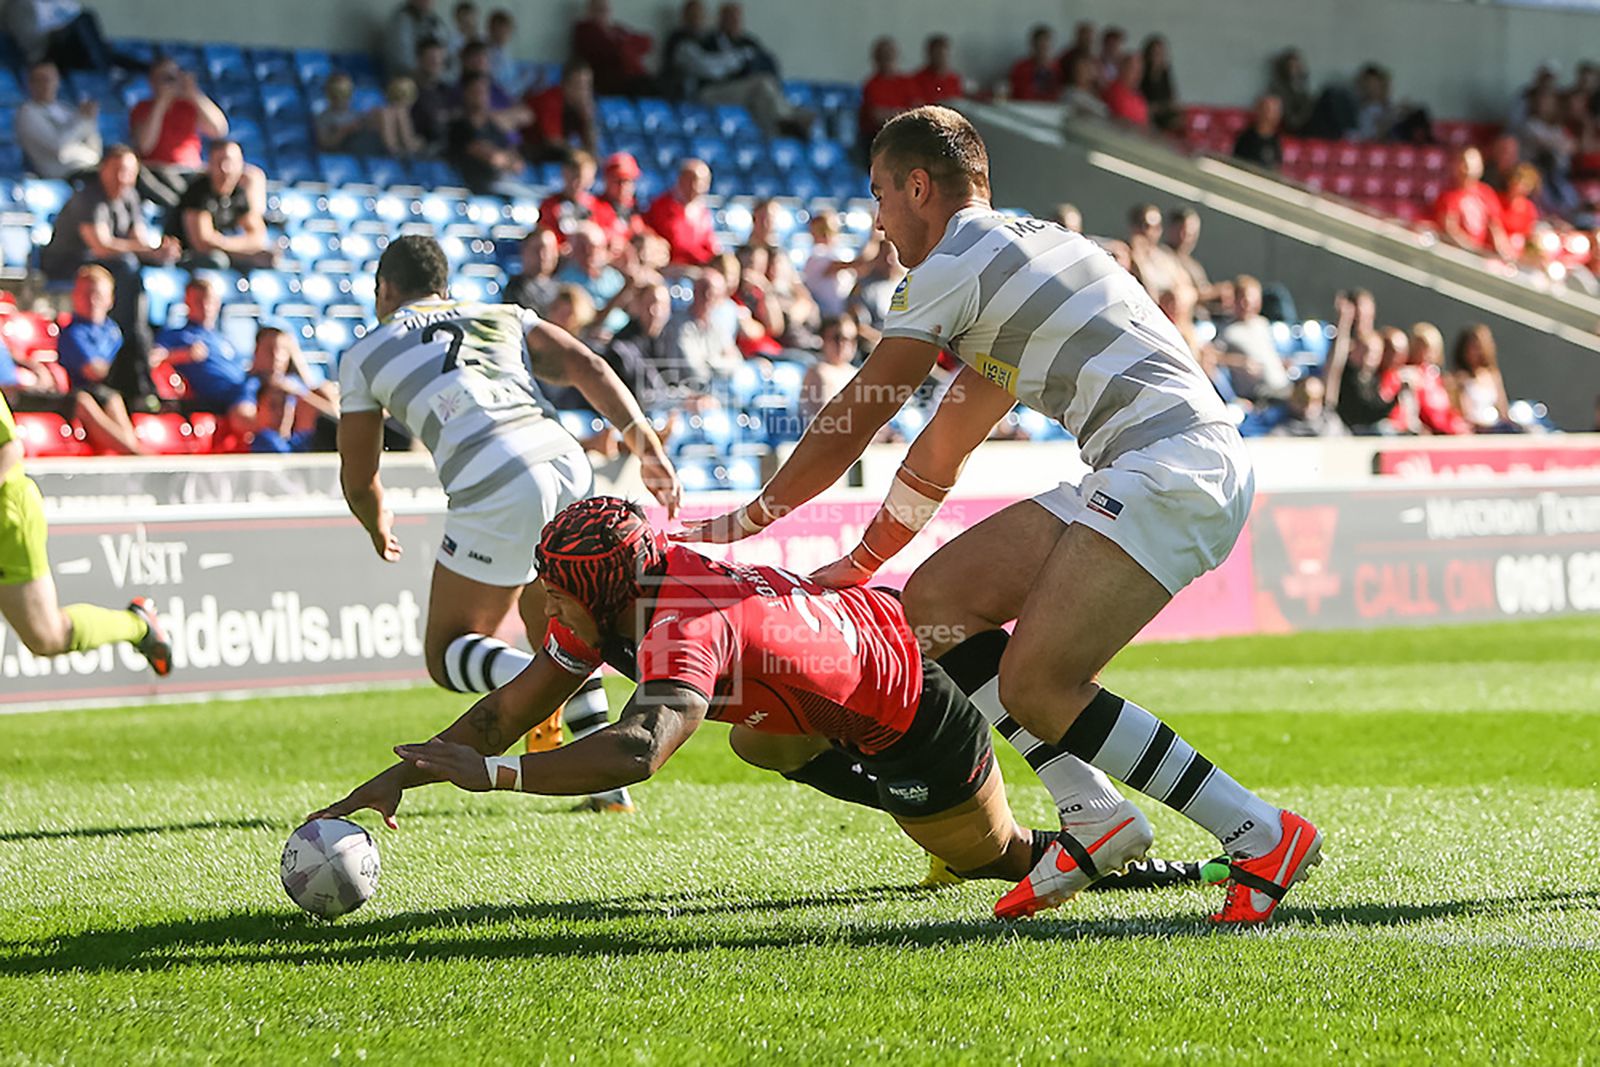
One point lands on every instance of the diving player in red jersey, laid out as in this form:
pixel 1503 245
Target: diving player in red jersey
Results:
pixel 826 686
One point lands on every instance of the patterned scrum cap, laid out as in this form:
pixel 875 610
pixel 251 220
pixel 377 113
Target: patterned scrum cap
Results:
pixel 597 551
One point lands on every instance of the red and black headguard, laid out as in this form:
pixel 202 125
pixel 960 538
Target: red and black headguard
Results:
pixel 599 551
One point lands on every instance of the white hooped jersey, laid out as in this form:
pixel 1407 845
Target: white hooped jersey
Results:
pixel 456 376
pixel 1049 316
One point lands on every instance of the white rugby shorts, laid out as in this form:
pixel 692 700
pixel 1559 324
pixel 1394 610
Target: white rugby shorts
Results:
pixel 1176 506
pixel 492 540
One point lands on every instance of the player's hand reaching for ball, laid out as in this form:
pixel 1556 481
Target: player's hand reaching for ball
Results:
pixel 449 762
pixel 384 542
pixel 381 794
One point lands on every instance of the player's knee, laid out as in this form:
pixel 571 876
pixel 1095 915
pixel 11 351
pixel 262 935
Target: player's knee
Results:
pixel 433 654
pixel 1044 701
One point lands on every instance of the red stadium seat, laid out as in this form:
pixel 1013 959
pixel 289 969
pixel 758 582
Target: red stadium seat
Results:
pixel 1293 152
pixel 1434 159
pixel 169 383
pixel 1347 156
pixel 1403 159
pixel 1319 154
pixel 1343 185
pixel 165 434
pixel 27 333
pixel 1375 156
pixel 202 432
pixel 46 434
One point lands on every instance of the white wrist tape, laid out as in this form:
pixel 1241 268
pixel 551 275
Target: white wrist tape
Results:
pixel 494 764
pixel 910 507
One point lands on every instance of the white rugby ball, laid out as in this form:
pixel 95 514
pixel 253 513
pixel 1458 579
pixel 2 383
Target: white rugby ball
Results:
pixel 330 867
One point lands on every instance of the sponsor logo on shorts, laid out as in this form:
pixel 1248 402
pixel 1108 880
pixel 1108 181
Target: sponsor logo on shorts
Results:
pixel 999 373
pixel 479 557
pixel 1110 507
pixel 449 545
pixel 912 792
pixel 982 766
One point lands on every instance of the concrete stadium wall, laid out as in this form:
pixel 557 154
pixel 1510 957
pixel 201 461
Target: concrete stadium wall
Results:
pixel 1465 59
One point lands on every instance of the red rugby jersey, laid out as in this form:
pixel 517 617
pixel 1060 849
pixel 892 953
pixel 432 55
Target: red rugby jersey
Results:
pixel 772 651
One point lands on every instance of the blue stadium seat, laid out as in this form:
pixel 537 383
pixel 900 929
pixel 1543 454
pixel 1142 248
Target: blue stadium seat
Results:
pixel 803 183
pixel 750 154
pixel 266 289
pixel 435 173
pixel 733 121
pixel 436 209
pixel 309 246
pixel 475 287
pixel 665 152
pixel 273 66
pixel 785 152
pixel 346 207
pixel 312 65
pixel 292 136
pixel 785 380
pixel 909 421
pixel 44 197
pixel 294 205
pixel 801 94
pixel 295 166
pixel 317 289
pixel 336 334
pixel 383 171
pixel 698 477
pixel 163 289
pixel 12 93
pixel 717 153
pixel 744 474
pixel 656 115
pixel 826 155
pixel 617 114
pixel 284 99
pixel 11 159
pixel 746 384
pixel 342 169
pixel 696 120
pixel 226 63
pixel 240 326
pixel 16 244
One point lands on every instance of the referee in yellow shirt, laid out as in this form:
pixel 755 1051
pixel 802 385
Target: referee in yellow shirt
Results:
pixel 28 592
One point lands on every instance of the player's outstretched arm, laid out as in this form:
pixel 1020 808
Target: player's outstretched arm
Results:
pixel 658 719
pixel 970 408
pixel 487 728
pixel 360 448
pixel 560 357
pixel 834 440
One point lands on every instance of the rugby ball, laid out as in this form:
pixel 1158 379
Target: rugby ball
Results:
pixel 330 867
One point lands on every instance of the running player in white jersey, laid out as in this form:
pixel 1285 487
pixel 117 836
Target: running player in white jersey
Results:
pixel 1040 315
pixel 456 375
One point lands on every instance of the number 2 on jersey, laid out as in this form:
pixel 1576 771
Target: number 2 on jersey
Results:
pixel 455 335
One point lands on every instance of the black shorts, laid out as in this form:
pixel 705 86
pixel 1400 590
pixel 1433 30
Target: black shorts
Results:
pixel 943 759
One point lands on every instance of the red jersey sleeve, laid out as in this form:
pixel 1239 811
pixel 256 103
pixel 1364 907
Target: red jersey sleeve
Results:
pixel 571 653
pixel 693 647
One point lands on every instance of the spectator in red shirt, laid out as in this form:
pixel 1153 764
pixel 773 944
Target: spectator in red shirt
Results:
pixel 1035 77
pixel 1122 96
pixel 681 217
pixel 1518 213
pixel 936 83
pixel 166 129
pixel 1435 404
pixel 1468 211
pixel 887 92
pixel 564 211
pixel 621 173
pixel 563 115
pixel 616 53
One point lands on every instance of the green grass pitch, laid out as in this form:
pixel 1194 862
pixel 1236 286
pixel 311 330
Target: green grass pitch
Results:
pixel 739 918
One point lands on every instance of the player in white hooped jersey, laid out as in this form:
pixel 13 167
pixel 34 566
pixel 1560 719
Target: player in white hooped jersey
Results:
pixel 1042 316
pixel 456 375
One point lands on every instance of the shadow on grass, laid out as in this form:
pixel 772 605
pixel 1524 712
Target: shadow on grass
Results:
pixel 612 928
pixel 135 831
pixel 90 832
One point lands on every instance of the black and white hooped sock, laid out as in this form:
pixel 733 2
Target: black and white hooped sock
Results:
pixel 1129 743
pixel 476 663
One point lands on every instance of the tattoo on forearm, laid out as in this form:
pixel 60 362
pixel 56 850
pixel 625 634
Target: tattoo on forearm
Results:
pixel 487 723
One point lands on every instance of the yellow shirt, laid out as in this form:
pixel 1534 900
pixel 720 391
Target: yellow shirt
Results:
pixel 8 433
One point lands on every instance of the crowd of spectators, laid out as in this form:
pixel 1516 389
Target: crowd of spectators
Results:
pixel 1354 377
